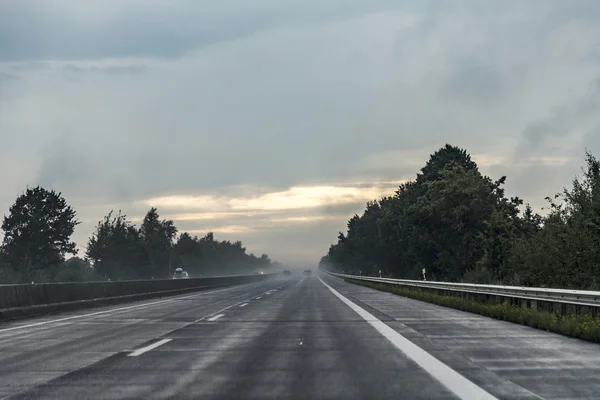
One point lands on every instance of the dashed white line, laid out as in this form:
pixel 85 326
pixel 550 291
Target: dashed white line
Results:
pixel 215 317
pixel 243 305
pixel 455 382
pixel 146 349
pixel 211 316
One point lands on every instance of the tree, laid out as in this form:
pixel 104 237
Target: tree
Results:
pixel 459 225
pixel 188 254
pixel 442 160
pixel 115 249
pixel 207 256
pixel 37 230
pixel 566 250
pixel 157 237
pixel 76 269
pixel 450 220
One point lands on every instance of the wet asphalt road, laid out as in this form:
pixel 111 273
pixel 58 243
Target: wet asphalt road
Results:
pixel 301 338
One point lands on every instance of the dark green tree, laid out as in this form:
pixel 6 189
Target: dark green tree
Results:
pixel 442 160
pixel 566 250
pixel 451 220
pixel 115 249
pixel 157 237
pixel 76 269
pixel 38 230
pixel 207 256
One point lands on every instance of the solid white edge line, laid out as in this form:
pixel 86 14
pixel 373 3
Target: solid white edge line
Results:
pixel 215 317
pixel 146 349
pixel 452 380
pixel 113 310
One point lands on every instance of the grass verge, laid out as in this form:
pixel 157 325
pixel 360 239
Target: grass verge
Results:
pixel 583 326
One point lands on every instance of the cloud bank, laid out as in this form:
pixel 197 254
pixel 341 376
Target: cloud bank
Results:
pixel 274 121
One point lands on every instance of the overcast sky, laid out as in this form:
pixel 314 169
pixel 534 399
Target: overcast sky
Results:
pixel 273 121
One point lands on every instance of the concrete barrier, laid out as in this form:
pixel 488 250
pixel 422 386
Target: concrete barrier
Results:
pixel 18 301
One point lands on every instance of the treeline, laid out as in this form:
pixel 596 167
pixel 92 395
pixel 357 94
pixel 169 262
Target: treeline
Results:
pixel 37 240
pixel 458 225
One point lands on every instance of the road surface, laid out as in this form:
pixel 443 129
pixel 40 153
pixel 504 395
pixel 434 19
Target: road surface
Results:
pixel 300 337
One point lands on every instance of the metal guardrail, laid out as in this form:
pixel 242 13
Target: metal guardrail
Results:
pixel 564 296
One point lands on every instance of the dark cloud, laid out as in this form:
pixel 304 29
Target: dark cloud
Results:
pixel 475 81
pixel 64 29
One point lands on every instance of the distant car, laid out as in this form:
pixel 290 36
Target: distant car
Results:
pixel 307 272
pixel 180 274
pixel 259 273
pixel 287 273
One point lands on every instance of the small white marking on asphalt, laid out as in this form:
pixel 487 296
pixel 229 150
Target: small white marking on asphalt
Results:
pixel 258 298
pixel 216 317
pixel 243 305
pixel 208 317
pixel 455 382
pixel 146 349
pixel 301 280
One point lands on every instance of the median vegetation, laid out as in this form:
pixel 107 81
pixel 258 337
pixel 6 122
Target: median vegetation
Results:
pixel 37 242
pixel 459 225
pixel 582 325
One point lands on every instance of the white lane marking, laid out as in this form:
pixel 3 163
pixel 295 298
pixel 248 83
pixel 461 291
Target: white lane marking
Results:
pixel 258 298
pixel 207 317
pixel 215 317
pixel 146 349
pixel 243 305
pixel 301 280
pixel 112 310
pixel 455 382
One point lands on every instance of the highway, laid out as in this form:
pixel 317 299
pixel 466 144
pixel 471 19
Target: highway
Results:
pixel 306 338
